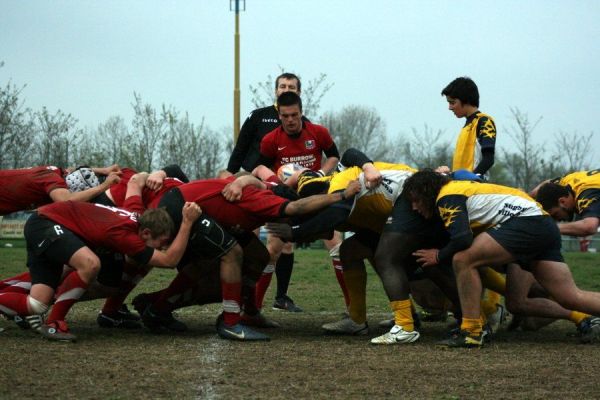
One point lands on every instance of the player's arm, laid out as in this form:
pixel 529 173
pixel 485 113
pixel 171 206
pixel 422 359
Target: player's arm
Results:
pixel 486 136
pixel 106 170
pixel 321 226
pixel 457 223
pixel 356 158
pixel 133 196
pixel 314 203
pixel 242 146
pixel 584 227
pixel 533 193
pixel 333 158
pixel 62 194
pixel 267 151
pixel 486 162
pixel 171 257
pixel 233 190
pixel 263 173
pixel 155 179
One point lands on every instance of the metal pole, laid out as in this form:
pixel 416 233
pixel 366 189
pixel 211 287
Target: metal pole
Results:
pixel 236 83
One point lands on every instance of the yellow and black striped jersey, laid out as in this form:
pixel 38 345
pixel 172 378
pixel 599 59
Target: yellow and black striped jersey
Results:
pixel 468 205
pixel 372 207
pixel 585 186
pixel 478 133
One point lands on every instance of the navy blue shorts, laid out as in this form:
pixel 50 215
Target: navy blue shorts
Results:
pixel 529 239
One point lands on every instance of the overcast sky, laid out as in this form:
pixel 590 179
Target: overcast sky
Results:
pixel 87 58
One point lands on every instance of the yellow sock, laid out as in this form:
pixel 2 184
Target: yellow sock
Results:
pixel 356 283
pixel 493 280
pixel 489 301
pixel 576 316
pixel 472 325
pixel 403 314
pixel 413 306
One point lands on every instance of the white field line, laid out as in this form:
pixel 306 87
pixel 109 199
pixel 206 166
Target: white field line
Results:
pixel 210 355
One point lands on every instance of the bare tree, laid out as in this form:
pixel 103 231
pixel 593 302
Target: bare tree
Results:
pixel 112 140
pixel 526 165
pixel 360 127
pixel 149 127
pixel 16 127
pixel 424 149
pixel 57 137
pixel 313 90
pixel 105 145
pixel 213 157
pixel 574 150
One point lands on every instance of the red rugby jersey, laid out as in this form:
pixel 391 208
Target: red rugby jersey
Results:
pixel 28 188
pixel 256 207
pixel 305 149
pixel 150 198
pixel 99 226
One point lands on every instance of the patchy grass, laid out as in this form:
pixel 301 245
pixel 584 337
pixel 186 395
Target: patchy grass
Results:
pixel 299 362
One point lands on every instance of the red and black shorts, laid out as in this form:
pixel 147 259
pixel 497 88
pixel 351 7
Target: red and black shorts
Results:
pixel 208 240
pixel 49 247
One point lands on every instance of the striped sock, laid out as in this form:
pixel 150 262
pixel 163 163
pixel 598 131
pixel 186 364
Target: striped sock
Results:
pixel 339 275
pixel 67 294
pixel 232 300
pixel 13 304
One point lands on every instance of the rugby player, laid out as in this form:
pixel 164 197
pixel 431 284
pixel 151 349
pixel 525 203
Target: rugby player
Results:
pixel 513 228
pixel 70 233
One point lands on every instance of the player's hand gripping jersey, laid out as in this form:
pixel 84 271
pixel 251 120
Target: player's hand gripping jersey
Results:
pixel 372 207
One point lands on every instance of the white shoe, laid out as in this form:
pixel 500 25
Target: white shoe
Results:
pixel 396 335
pixel 346 327
pixel 497 318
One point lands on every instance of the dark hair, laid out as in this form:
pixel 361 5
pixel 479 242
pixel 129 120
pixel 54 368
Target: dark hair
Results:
pixel 158 221
pixel 424 185
pixel 464 89
pixel 311 183
pixel 289 99
pixel 549 193
pixel 289 76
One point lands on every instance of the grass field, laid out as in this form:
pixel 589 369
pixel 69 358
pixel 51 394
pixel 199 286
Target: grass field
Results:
pixel 299 362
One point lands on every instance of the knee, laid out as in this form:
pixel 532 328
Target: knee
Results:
pixel 35 306
pixel 461 262
pixel 90 267
pixel 235 255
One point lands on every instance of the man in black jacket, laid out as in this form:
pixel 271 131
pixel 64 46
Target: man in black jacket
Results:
pixel 260 122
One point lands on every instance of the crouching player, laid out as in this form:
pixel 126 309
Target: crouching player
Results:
pixel 513 228
pixel 70 233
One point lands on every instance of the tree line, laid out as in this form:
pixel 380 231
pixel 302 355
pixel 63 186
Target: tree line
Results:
pixel 158 136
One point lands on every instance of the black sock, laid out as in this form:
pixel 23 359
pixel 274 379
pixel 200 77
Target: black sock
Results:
pixel 283 271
